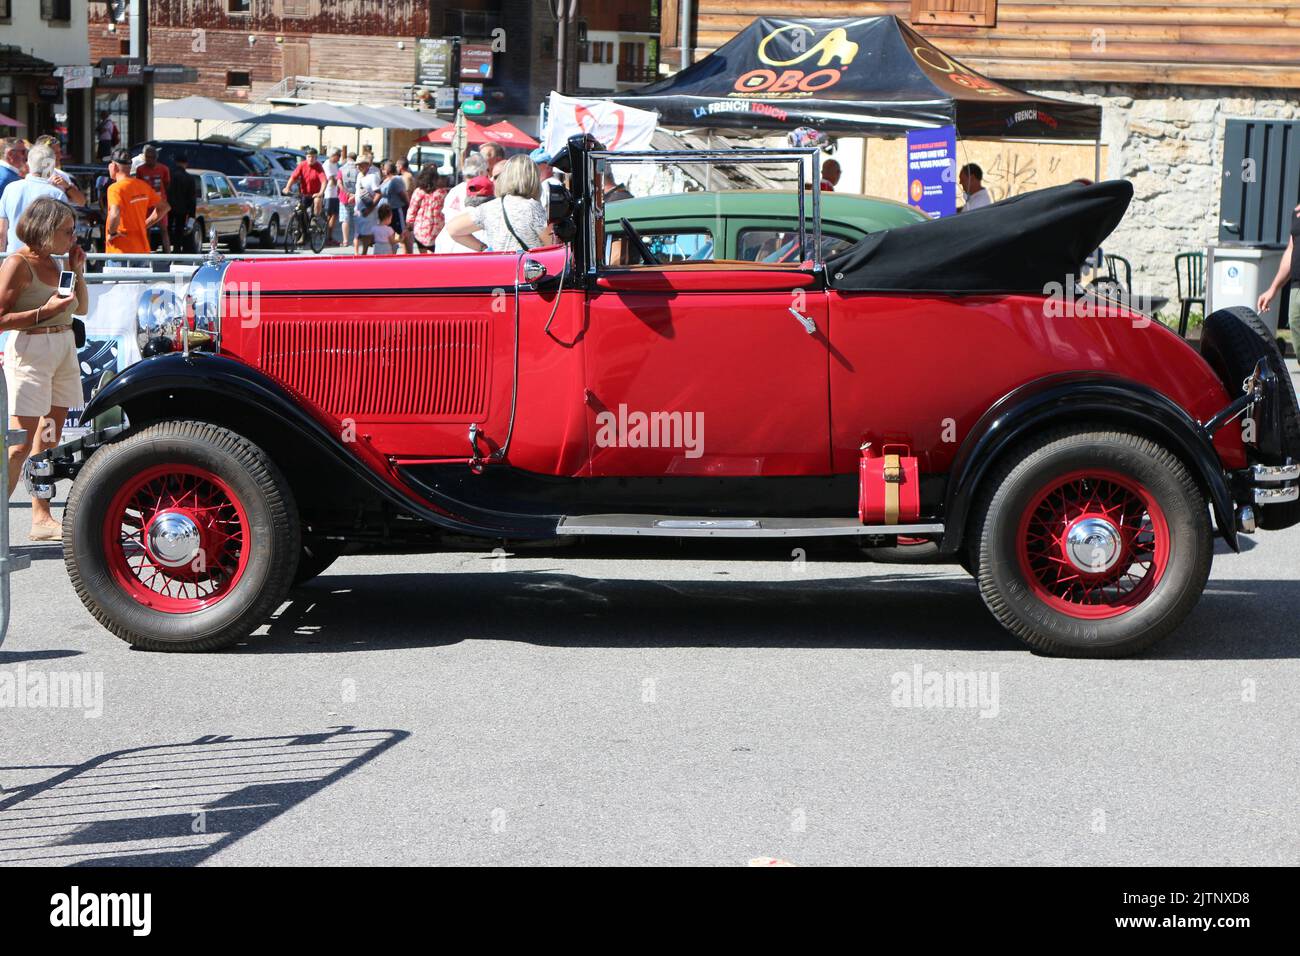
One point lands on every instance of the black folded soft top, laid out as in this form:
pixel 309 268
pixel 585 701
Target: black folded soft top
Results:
pixel 1021 244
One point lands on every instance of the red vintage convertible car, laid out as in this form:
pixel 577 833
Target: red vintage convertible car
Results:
pixel 1068 452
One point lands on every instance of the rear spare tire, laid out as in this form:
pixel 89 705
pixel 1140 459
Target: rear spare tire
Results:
pixel 1233 342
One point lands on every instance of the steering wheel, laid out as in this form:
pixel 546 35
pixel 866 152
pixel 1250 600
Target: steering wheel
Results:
pixel 638 243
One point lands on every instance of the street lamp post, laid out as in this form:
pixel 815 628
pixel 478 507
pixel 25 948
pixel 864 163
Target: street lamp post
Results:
pixel 564 11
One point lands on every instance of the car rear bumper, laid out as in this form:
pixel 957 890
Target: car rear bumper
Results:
pixel 1274 484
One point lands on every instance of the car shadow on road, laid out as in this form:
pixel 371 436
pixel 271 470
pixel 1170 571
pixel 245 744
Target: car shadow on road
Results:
pixel 904 609
pixel 173 804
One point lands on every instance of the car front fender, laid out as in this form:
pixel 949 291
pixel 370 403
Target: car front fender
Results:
pixel 1071 398
pixel 225 392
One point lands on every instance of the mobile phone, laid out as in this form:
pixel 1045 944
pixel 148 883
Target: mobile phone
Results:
pixel 67 280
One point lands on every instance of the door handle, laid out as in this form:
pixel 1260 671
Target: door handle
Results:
pixel 1230 226
pixel 808 324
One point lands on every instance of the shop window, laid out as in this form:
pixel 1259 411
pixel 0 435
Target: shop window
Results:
pixel 56 11
pixel 470 23
pixel 960 13
pixel 238 78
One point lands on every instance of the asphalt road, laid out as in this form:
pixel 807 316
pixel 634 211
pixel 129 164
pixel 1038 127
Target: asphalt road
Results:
pixel 709 704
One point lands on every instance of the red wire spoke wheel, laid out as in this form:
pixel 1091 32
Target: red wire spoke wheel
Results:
pixel 176 538
pixel 183 536
pixel 1090 543
pixel 1093 544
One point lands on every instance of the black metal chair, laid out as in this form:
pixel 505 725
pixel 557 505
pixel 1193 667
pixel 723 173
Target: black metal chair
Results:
pixel 1190 270
pixel 1114 265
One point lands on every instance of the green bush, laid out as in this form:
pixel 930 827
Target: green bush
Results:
pixel 1170 319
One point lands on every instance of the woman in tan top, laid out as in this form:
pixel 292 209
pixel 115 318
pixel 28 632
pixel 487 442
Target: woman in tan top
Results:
pixel 41 368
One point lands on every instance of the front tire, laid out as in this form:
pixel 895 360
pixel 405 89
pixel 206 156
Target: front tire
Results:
pixel 1092 543
pixel 182 537
pixel 239 241
pixel 293 233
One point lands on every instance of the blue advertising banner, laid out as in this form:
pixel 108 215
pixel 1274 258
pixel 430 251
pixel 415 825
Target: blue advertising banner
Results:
pixel 932 171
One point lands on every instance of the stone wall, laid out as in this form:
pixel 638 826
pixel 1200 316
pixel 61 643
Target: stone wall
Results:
pixel 1168 141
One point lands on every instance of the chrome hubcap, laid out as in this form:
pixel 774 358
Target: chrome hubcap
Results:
pixel 173 539
pixel 1093 545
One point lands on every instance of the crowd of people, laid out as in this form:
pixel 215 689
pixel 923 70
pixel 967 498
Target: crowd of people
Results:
pixel 500 202
pixel 386 208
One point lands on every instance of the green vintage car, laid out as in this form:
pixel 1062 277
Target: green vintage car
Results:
pixel 760 225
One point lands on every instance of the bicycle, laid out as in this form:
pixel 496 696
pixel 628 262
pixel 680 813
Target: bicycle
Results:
pixel 307 223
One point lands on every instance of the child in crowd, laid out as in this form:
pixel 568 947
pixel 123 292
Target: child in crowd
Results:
pixel 384 232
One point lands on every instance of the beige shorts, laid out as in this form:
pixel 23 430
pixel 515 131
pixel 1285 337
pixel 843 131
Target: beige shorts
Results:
pixel 42 371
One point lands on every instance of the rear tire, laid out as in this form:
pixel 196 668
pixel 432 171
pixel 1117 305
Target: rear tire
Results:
pixel 319 233
pixel 123 513
pixel 905 551
pixel 1092 543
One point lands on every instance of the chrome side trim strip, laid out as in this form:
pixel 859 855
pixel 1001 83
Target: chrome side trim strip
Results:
pixel 671 526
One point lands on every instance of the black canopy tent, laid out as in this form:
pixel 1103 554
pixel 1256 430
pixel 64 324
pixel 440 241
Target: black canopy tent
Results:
pixel 867 76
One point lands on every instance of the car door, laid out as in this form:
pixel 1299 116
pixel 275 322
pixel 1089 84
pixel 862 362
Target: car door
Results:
pixel 209 203
pixel 707 369
pixel 230 206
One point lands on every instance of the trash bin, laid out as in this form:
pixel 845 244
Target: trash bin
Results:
pixel 1237 274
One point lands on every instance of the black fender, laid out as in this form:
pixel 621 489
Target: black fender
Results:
pixel 157 381
pixel 1072 397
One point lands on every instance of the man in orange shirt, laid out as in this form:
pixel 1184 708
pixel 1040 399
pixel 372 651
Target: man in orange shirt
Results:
pixel 133 206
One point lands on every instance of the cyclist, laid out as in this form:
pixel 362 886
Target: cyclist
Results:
pixel 310 176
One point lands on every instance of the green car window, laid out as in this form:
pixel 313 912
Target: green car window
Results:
pixel 687 245
pixel 780 245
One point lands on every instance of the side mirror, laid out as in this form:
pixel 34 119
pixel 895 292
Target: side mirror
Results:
pixel 559 204
pixel 560 213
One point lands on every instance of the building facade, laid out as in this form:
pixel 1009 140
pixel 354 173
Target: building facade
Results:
pixel 265 53
pixel 1168 76
pixel 618 45
pixel 40 42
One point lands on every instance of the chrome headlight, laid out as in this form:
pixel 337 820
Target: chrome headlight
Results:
pixel 203 304
pixel 159 315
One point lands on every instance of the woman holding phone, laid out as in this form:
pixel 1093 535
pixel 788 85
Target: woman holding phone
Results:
pixel 41 368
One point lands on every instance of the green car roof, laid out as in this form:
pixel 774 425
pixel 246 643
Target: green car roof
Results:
pixel 868 213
